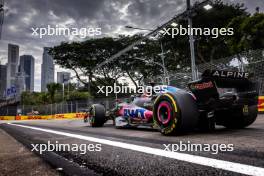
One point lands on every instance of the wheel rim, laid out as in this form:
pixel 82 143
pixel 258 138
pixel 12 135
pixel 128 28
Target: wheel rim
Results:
pixel 164 112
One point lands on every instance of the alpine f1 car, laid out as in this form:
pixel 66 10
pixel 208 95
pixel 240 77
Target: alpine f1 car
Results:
pixel 224 98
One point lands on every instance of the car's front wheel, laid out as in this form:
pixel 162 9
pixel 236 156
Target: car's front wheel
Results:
pixel 97 116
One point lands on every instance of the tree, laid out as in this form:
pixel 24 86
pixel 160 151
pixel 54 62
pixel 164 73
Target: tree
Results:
pixel 52 89
pixel 34 98
pixel 249 33
pixel 207 48
pixel 77 95
pixel 82 58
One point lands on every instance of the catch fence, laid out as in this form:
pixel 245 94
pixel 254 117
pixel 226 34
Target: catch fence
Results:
pixel 251 61
pixel 58 108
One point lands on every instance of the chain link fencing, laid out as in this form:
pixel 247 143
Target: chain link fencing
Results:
pixel 58 108
pixel 251 61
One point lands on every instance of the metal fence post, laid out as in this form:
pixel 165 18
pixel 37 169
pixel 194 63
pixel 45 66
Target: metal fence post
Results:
pixel 71 107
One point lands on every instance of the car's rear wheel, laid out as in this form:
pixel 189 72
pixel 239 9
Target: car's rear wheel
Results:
pixel 175 113
pixel 97 116
pixel 240 117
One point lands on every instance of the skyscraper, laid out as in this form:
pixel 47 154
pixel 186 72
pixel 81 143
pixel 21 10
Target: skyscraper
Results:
pixel 47 70
pixel 12 65
pixel 63 77
pixel 3 69
pixel 27 67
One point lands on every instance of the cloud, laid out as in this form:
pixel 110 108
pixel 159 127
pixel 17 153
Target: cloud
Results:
pixel 111 16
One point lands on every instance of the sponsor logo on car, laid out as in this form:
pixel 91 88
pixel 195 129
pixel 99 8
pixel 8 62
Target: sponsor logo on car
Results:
pixel 201 86
pixel 137 112
pixel 229 74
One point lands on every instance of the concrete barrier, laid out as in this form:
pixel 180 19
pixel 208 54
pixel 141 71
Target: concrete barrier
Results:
pixel 7 117
pixel 261 104
pixel 45 117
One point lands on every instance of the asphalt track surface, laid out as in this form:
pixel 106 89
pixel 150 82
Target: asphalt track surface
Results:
pixel 141 151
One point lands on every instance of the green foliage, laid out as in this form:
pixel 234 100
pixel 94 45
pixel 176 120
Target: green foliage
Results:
pixel 52 89
pixel 249 33
pixel 77 95
pixel 36 98
pixel 28 98
pixel 206 47
pixel 82 57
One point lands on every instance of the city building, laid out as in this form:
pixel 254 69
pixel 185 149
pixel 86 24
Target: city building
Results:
pixel 27 68
pixel 63 77
pixel 14 80
pixel 20 84
pixel 47 70
pixel 3 71
pixel 12 65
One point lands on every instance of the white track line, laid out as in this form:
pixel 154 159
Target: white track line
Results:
pixel 218 164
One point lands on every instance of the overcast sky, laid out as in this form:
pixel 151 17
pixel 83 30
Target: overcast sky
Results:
pixel 110 15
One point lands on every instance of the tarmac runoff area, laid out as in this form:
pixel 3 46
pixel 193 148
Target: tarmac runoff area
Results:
pixel 133 151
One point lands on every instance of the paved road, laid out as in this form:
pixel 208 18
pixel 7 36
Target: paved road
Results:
pixel 141 151
pixel 12 159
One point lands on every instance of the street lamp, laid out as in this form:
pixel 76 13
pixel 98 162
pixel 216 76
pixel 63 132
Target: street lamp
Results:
pixel 163 64
pixel 158 30
pixel 67 80
pixel 173 24
pixel 161 46
pixel 206 6
pixel 191 41
pixel 142 29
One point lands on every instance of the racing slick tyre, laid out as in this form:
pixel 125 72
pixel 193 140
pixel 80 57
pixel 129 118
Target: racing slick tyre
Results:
pixel 97 115
pixel 175 113
pixel 240 117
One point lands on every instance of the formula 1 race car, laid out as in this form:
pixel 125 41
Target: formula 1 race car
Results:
pixel 224 98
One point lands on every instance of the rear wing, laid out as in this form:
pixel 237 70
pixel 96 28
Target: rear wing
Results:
pixel 230 79
pixel 208 86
